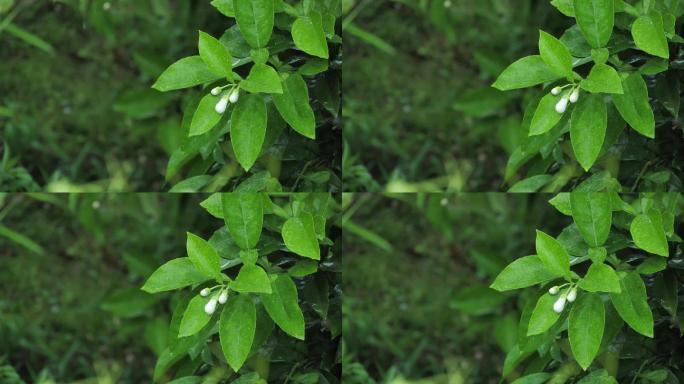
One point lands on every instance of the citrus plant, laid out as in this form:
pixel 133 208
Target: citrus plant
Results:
pixel 605 293
pixel 276 66
pixel 263 267
pixel 616 67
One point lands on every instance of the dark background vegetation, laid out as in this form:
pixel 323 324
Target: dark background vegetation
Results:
pixel 70 272
pixel 417 305
pixel 79 113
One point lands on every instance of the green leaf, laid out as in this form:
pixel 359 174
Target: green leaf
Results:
pixel 293 105
pixel 600 376
pixel 649 35
pixel 596 19
pixel 237 327
pixel 523 272
pixel 179 347
pixel 303 268
pixel 545 117
pixel 251 278
pixel 299 234
pixel 174 274
pixel 534 378
pixel 632 305
pixel 600 278
pixel 313 67
pixel 593 214
pixel 526 72
pixel 205 117
pixel 648 234
pixel 634 107
pixel 244 216
pixel 259 55
pixel 185 73
pixel 585 328
pixel 657 376
pixel 653 264
pixel 255 19
pixel 194 317
pixel 654 66
pixel 531 184
pixel 23 34
pixel 215 55
pixel 213 205
pixel 248 129
pixel 598 255
pixel 225 7
pixel 262 78
pixel 555 54
pixel 565 7
pixel 588 126
pixel 309 36
pixel 249 256
pixel 562 203
pixel 283 306
pixel 203 256
pixel 187 380
pixel 603 79
pixel 191 185
pixel 552 254
pixel 543 316
pixel 20 239
pixel 249 378
pixel 600 55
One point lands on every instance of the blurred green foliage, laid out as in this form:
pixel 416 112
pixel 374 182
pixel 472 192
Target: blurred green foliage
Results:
pixel 420 112
pixel 423 309
pixel 70 271
pixel 80 115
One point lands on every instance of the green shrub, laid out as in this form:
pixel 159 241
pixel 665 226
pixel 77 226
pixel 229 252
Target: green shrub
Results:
pixel 604 307
pixel 258 78
pixel 611 83
pixel 242 319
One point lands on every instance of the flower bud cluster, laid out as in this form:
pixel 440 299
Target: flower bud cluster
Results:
pixel 568 296
pixel 570 97
pixel 221 297
pixel 231 96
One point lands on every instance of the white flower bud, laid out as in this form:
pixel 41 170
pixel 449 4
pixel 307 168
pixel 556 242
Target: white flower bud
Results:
pixel 210 308
pixel 556 91
pixel 554 290
pixel 562 105
pixel 572 295
pixel 216 91
pixel 205 292
pixel 559 305
pixel 235 95
pixel 222 105
pixel 574 96
pixel 223 297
